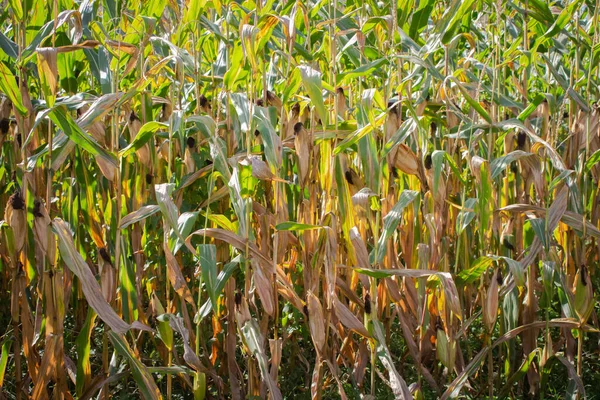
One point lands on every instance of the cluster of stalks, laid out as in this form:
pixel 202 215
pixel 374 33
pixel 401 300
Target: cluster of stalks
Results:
pixel 222 199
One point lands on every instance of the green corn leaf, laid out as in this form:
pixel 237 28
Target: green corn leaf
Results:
pixel 312 83
pixel 74 132
pixel 8 86
pixel 145 133
pixel 295 226
pixel 4 359
pixel 390 223
pixel 83 347
pixel 208 264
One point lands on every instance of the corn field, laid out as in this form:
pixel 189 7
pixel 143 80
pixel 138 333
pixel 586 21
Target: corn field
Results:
pixel 355 199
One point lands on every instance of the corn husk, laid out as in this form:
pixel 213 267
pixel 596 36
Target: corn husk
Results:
pixel 188 160
pixel 16 217
pixel 406 160
pixel 316 321
pixel 340 103
pixel 143 153
pixel 302 144
pixel 108 276
pixel 107 169
pixel 490 304
pixel 41 221
pixel 584 294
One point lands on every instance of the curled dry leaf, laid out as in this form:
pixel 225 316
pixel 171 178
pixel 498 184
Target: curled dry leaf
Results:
pixel 475 164
pixel 361 198
pixel 348 319
pixel 176 322
pixel 397 382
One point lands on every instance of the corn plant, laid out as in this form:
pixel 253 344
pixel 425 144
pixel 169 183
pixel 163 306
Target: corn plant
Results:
pixel 322 199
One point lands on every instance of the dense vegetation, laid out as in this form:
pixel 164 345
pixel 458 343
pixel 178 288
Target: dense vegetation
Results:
pixel 343 199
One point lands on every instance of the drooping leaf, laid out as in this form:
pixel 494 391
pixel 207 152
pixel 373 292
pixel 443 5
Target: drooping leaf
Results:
pixel 472 102
pixel 74 132
pixel 254 339
pixel 89 285
pixel 478 267
pixel 390 223
pixel 142 376
pixel 208 263
pixel 138 215
pixel 499 164
pixel 397 383
pixel 312 83
pixel 143 136
pixel 295 226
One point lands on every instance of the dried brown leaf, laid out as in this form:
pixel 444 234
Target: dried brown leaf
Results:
pixel 176 277
pixel 348 319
